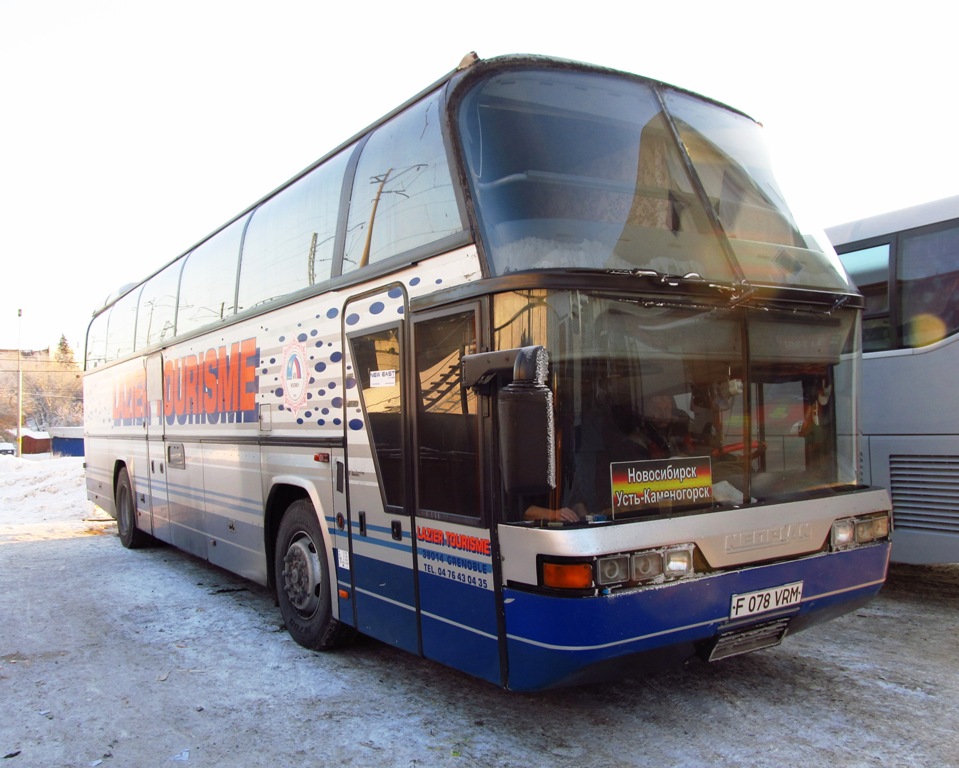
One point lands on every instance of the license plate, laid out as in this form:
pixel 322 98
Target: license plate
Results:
pixel 751 603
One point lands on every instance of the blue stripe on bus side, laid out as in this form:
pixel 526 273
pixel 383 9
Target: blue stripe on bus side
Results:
pixel 459 626
pixel 551 639
pixel 194 496
pixel 385 602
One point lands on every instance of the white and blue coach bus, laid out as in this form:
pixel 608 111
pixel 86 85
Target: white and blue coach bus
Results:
pixel 906 263
pixel 537 377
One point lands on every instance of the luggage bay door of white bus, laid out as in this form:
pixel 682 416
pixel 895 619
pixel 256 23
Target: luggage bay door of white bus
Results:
pixel 159 504
pixel 377 442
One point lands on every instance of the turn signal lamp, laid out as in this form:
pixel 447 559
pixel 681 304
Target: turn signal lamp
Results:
pixel 568 575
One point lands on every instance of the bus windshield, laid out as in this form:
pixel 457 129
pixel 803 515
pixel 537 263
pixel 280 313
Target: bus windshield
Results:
pixel 661 409
pixel 575 170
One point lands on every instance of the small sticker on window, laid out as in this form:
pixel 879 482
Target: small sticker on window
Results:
pixel 383 378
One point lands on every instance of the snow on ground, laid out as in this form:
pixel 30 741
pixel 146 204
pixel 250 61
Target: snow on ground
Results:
pixel 112 657
pixel 45 498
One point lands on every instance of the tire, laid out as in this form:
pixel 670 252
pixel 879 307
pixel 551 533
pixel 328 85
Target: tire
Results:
pixel 302 576
pixel 130 536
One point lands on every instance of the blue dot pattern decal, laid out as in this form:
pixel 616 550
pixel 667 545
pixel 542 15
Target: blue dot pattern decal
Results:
pixel 305 373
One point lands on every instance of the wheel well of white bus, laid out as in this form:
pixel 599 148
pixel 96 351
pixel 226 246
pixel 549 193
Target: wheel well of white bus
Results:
pixel 279 500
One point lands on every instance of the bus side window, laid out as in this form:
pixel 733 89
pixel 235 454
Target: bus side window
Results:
pixel 928 281
pixel 208 282
pixel 289 242
pixel 869 269
pixel 97 340
pixel 377 359
pixel 403 194
pixel 123 326
pixel 157 309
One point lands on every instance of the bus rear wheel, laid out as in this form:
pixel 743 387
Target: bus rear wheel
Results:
pixel 131 537
pixel 302 576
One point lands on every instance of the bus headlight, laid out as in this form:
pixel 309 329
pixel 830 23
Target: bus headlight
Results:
pixel 843 534
pixel 872 529
pixel 612 570
pixel 625 569
pixel 645 566
pixel 853 531
pixel 678 562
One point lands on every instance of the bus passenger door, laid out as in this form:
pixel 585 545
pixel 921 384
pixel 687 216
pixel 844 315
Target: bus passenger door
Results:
pixel 454 547
pixel 380 525
pixel 159 505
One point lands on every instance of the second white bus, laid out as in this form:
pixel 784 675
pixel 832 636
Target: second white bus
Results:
pixel 907 264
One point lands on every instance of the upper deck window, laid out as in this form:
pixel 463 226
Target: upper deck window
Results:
pixel 574 170
pixel 289 243
pixel 403 195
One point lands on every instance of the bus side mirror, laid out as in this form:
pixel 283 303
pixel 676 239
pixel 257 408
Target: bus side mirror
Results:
pixel 526 428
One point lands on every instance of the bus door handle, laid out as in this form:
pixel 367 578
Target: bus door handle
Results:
pixel 340 473
pixel 362 523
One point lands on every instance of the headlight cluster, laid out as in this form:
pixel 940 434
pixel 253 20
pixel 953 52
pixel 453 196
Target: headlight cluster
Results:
pixel 620 570
pixel 855 531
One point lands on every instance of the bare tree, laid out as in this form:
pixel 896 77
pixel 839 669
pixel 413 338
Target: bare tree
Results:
pixel 53 391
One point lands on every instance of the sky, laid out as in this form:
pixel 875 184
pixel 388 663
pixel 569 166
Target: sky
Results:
pixel 129 130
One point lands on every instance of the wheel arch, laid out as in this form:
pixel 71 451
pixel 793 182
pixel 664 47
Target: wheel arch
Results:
pixel 122 463
pixel 284 491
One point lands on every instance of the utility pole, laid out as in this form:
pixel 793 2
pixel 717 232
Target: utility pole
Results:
pixel 19 386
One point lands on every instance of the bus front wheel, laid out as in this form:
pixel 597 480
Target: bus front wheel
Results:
pixel 302 576
pixel 131 537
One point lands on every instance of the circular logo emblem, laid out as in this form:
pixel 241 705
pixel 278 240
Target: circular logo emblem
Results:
pixel 295 377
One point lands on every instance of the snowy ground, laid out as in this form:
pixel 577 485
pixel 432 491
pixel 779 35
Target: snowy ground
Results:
pixel 152 658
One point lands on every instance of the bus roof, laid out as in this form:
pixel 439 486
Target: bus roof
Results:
pixel 895 221
pixel 471 64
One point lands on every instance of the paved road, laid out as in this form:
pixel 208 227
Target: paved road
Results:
pixel 152 658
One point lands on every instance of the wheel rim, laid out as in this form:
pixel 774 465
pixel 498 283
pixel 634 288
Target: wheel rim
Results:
pixel 302 574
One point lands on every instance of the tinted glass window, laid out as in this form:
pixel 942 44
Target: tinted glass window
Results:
pixel 729 154
pixel 929 286
pixel 643 390
pixel 377 359
pixel 96 352
pixel 123 319
pixel 209 280
pixel 402 194
pixel 803 413
pixel 447 421
pixel 869 269
pixel 289 243
pixel 573 170
pixel 157 311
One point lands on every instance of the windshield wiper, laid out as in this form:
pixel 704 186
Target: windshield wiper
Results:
pixel 663 277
